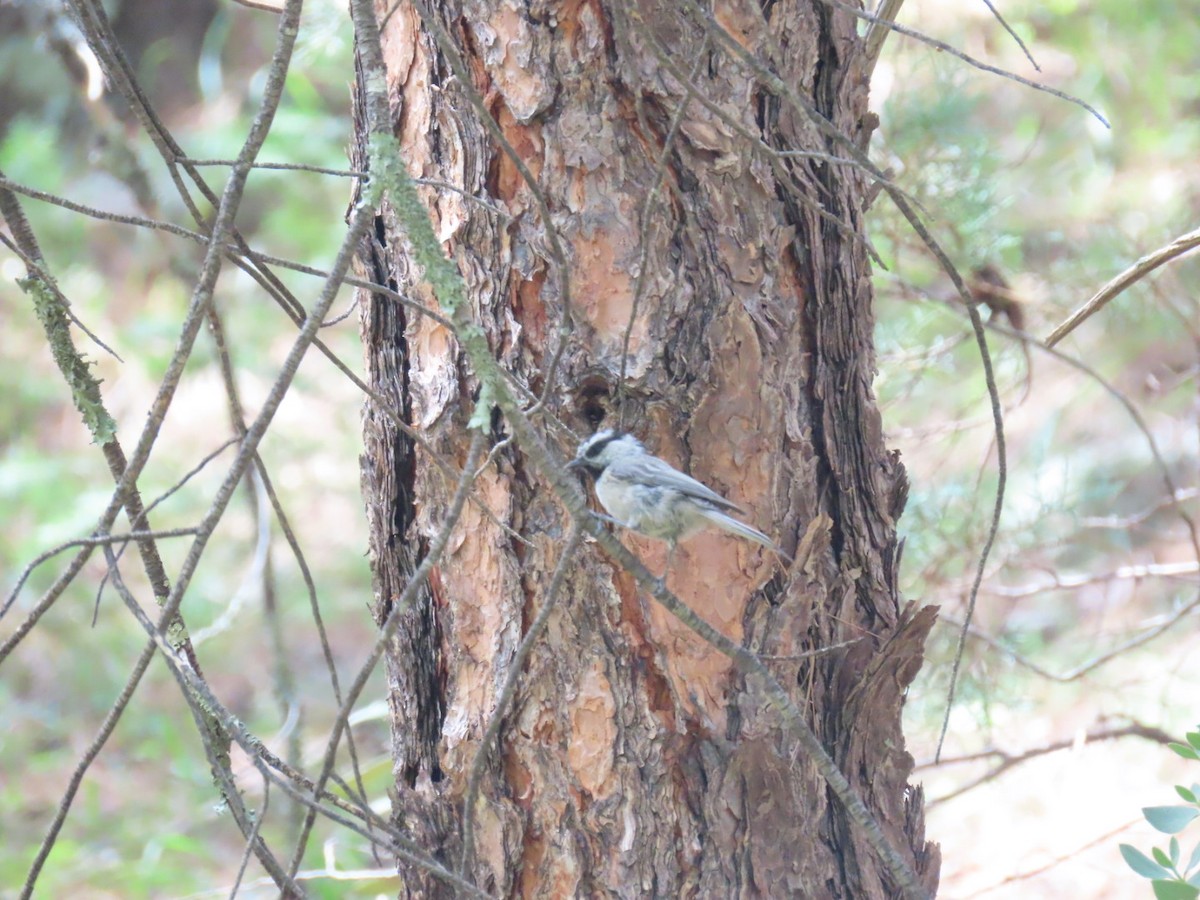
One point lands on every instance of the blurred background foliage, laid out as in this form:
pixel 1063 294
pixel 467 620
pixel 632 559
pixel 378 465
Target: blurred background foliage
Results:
pixel 1016 179
pixel 146 823
pixel 1060 204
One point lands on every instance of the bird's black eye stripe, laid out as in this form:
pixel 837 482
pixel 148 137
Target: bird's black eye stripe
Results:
pixel 594 450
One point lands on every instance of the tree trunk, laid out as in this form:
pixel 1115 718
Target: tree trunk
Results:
pixel 636 760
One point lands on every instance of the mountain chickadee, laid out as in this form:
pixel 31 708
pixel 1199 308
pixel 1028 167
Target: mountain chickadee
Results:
pixel 647 495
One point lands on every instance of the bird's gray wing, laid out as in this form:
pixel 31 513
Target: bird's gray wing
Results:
pixel 652 470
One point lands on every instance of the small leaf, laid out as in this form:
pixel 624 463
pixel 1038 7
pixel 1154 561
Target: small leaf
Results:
pixel 1170 819
pixel 1175 890
pixel 1184 750
pixel 1193 738
pixel 1161 858
pixel 1141 863
pixel 1185 793
pixel 1193 859
pixel 1173 851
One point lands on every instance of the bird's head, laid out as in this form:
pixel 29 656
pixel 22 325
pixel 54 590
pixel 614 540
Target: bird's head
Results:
pixel 605 447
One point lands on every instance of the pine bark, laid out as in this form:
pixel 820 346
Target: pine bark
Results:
pixel 636 761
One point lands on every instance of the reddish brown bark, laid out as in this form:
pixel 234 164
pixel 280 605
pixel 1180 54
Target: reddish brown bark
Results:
pixel 636 760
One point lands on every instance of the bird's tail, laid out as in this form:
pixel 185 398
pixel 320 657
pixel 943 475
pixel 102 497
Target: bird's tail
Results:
pixel 741 529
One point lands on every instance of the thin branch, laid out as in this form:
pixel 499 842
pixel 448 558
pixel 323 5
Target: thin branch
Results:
pixel 1121 573
pixel 263 478
pixel 500 712
pixel 810 654
pixel 1164 624
pixel 388 629
pixel 485 202
pixel 45 602
pixel 100 214
pixel 1135 273
pixel 81 768
pixel 1011 33
pixel 252 838
pixel 877 32
pixel 261 5
pixel 958 54
pixel 36 268
pixel 256 483
pixel 90 542
pixel 1010 760
pixel 1058 860
pixel 215 739
pixel 785 91
pixel 558 255
pixel 1125 523
pixel 660 171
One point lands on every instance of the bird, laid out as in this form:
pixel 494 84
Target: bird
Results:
pixel 650 496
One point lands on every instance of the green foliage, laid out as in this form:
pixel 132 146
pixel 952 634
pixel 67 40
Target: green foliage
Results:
pixel 1170 877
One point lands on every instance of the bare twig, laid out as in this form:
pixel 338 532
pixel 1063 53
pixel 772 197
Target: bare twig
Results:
pixel 660 171
pixel 1121 573
pixel 1164 624
pixel 261 5
pixel 785 91
pixel 198 691
pixel 1011 33
pixel 500 712
pixel 252 838
pixel 1125 523
pixel 1010 760
pixel 1135 273
pixel 958 54
pixel 83 764
pixel 1058 860
pixel 90 542
pixel 388 629
pixel 877 32
pixel 35 269
pixel 567 323
pixel 485 202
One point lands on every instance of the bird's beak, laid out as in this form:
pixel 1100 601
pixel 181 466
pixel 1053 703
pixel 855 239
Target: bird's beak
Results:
pixel 576 463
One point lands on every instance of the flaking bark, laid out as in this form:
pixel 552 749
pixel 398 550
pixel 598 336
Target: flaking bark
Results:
pixel 636 762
